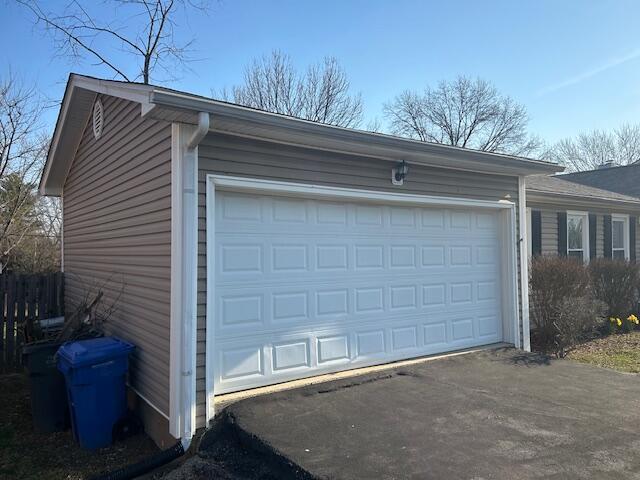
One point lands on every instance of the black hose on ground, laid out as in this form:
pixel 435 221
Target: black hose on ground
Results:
pixel 144 466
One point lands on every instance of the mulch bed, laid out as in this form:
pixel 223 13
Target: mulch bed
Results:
pixel 620 352
pixel 25 454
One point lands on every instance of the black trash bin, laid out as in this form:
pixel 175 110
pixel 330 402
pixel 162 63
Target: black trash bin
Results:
pixel 49 406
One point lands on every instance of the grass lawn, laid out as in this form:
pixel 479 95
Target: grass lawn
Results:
pixel 25 454
pixel 619 352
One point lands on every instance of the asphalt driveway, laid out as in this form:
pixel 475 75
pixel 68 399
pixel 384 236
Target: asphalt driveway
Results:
pixel 498 414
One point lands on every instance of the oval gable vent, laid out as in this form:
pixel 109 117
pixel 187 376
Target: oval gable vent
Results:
pixel 98 119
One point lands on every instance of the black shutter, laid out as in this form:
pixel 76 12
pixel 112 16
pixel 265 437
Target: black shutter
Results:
pixel 608 251
pixel 593 224
pixel 562 234
pixel 632 239
pixel 536 233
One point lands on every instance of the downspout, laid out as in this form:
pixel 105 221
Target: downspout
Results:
pixel 523 245
pixel 190 285
pixel 201 131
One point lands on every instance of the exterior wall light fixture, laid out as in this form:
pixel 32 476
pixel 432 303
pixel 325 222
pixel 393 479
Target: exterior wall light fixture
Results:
pixel 399 173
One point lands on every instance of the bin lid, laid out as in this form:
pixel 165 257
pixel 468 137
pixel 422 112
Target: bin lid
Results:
pixel 94 350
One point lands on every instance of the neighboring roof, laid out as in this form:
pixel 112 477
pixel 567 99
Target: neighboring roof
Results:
pixel 174 106
pixel 550 189
pixel 622 179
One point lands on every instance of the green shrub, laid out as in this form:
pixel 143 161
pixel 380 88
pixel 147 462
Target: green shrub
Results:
pixel 562 307
pixel 615 282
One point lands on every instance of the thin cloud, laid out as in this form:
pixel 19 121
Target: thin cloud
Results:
pixel 611 63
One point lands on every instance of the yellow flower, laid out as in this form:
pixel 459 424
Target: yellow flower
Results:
pixel 612 319
pixel 632 318
pixel 619 322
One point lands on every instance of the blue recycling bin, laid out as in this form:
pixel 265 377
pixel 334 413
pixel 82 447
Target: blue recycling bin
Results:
pixel 95 373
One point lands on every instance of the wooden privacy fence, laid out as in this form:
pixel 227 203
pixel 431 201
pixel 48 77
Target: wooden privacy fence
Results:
pixel 24 298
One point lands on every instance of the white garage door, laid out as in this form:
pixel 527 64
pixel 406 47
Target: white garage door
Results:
pixel 306 286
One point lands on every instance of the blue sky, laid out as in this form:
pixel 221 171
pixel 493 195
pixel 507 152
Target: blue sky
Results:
pixel 575 64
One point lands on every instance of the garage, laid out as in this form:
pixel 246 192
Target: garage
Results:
pixel 310 280
pixel 248 248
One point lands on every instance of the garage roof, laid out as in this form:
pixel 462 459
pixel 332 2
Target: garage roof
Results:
pixel 175 106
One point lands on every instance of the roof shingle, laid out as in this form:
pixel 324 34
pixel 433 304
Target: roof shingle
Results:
pixel 557 185
pixel 622 179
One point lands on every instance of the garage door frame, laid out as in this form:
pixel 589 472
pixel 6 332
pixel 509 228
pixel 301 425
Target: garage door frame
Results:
pixel 507 233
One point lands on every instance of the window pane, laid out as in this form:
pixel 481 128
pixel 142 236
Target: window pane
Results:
pixel 617 236
pixel 577 254
pixel 574 232
pixel 618 254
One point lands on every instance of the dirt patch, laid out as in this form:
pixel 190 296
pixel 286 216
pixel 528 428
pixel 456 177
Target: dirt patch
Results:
pixel 228 453
pixel 620 352
pixel 27 454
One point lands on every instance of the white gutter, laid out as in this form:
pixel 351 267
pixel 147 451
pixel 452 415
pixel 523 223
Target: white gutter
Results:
pixel 239 120
pixel 184 272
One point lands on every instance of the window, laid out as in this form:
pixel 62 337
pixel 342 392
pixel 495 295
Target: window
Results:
pixel 620 237
pixel 578 235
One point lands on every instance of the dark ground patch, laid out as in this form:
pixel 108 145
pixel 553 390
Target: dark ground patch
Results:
pixel 25 454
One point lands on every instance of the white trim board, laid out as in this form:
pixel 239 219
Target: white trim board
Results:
pixel 318 191
pixel 147 401
pixel 510 303
pixel 524 225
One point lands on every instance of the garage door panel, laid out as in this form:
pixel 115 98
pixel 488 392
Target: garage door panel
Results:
pixel 381 320
pixel 287 258
pixel 243 211
pixel 243 363
pixel 265 308
pixel 305 286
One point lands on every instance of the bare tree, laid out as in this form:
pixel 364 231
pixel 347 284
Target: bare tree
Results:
pixel 17 216
pixel 20 128
pixel 142 28
pixel 465 113
pixel 321 93
pixel 23 148
pixel 589 150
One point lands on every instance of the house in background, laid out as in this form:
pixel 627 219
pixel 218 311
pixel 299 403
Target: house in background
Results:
pixel 254 248
pixel 571 219
pixel 621 179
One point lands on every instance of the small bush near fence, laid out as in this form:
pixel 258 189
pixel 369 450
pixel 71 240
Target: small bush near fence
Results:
pixel 563 308
pixel 23 299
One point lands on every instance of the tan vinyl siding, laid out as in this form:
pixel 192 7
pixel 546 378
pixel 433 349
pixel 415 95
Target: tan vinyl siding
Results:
pixel 117 236
pixel 600 236
pixel 549 229
pixel 637 240
pixel 228 155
